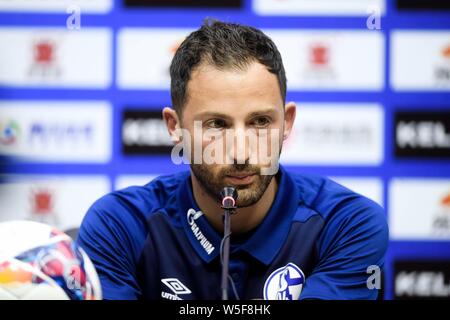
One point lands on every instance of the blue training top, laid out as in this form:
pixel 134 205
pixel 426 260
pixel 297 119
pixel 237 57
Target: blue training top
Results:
pixel 316 242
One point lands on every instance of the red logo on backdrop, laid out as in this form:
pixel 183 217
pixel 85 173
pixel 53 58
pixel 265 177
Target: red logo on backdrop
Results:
pixel 319 62
pixel 446 52
pixel 441 220
pixel 44 62
pixel 41 202
pixel 442 70
pixel 44 52
pixel 319 55
pixel 446 201
pixel 42 206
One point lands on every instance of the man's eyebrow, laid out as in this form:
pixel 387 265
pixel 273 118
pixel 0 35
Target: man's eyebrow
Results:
pixel 267 111
pixel 216 114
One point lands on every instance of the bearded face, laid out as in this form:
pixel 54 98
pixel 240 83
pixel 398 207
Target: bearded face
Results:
pixel 230 104
pixel 247 180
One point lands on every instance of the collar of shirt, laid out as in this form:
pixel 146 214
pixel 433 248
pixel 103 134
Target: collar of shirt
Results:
pixel 264 242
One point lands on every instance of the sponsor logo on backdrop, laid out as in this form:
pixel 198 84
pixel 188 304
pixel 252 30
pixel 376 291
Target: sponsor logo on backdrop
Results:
pixel 423 4
pixel 331 59
pixel 422 134
pixel 319 64
pixel 442 69
pixel 44 61
pixel 58 200
pixel 87 6
pixel 357 135
pixel 145 132
pixel 42 205
pixel 184 3
pixel 44 134
pixel 142 63
pixel 56 131
pixel 422 280
pixel 420 60
pixel 9 132
pixel 335 134
pixel 419 209
pixel 317 7
pixel 441 219
pixel 55 57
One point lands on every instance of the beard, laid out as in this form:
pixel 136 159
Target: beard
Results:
pixel 213 183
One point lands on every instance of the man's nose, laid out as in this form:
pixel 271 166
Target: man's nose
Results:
pixel 239 148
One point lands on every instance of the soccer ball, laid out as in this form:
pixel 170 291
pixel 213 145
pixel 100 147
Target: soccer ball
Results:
pixel 38 262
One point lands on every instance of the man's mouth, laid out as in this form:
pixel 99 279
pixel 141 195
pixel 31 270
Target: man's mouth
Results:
pixel 241 178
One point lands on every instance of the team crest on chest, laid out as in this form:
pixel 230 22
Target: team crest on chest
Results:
pixel 285 283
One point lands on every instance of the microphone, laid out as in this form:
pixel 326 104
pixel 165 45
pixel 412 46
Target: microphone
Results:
pixel 228 196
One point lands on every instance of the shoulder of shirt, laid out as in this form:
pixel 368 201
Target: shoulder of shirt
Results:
pixel 328 199
pixel 143 201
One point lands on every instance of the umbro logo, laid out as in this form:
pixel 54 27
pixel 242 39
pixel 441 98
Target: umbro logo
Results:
pixel 177 288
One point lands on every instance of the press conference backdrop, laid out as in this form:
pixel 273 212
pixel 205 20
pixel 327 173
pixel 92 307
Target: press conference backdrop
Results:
pixel 83 83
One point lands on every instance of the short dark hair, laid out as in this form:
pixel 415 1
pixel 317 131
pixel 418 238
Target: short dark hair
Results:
pixel 225 46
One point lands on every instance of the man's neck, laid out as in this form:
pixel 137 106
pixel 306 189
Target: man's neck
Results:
pixel 245 219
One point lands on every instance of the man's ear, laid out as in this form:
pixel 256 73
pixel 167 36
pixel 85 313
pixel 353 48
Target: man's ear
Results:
pixel 289 118
pixel 170 116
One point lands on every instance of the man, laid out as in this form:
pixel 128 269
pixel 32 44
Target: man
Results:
pixel 294 236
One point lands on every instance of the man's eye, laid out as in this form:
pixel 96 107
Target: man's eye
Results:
pixel 216 124
pixel 261 122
